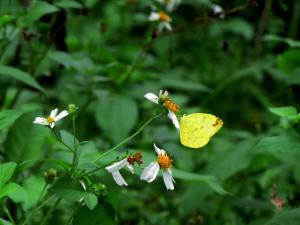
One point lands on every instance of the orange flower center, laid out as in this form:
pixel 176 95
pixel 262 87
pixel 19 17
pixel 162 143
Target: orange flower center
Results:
pixel 164 17
pixel 164 161
pixel 171 106
pixel 50 119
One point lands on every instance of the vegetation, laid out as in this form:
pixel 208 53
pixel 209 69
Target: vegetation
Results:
pixel 96 62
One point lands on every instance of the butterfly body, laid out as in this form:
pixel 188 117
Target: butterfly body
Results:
pixel 196 129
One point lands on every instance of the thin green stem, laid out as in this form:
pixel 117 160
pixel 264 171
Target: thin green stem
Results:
pixel 94 170
pixel 36 209
pixel 61 141
pixel 74 146
pixel 74 211
pixel 42 192
pixel 129 138
pixel 46 218
pixel 8 214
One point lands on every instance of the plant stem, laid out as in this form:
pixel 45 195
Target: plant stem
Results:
pixel 94 170
pixel 74 211
pixel 58 138
pixel 74 146
pixel 8 214
pixel 46 218
pixel 37 208
pixel 41 195
pixel 129 138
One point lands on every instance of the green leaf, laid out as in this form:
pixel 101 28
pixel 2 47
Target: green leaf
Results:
pixel 90 200
pixel 39 9
pixel 211 181
pixel 116 117
pixel 68 4
pixel 284 147
pixel 238 157
pixel 19 194
pixel 4 222
pixel 21 76
pixel 68 139
pixel 290 217
pixel 8 189
pixel 289 61
pixel 8 117
pixel 241 27
pixel 33 187
pixel 292 43
pixel 284 111
pixel 99 215
pixel 6 172
pixel 25 140
pixel 71 190
pixel 184 85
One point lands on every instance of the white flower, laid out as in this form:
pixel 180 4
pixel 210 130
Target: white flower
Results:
pixel 52 119
pixel 164 162
pixel 218 11
pixel 165 20
pixel 163 99
pixel 114 170
pixel 170 4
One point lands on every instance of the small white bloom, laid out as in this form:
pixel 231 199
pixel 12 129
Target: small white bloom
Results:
pixel 163 18
pixel 170 4
pixel 218 11
pixel 114 170
pixel 164 163
pixel 161 99
pixel 174 119
pixel 52 119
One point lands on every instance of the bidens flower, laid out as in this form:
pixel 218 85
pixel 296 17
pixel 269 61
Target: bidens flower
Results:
pixel 164 162
pixel 163 18
pixel 217 11
pixel 163 99
pixel 52 119
pixel 170 4
pixel 114 170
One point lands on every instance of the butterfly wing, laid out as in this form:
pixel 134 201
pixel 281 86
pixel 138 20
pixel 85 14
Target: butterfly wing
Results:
pixel 196 129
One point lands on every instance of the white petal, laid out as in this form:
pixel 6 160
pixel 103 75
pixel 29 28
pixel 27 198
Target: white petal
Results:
pixel 53 113
pixel 154 16
pixel 41 121
pixel 116 166
pixel 218 10
pixel 150 172
pixel 130 167
pixel 82 184
pixel 119 179
pixel 151 97
pixel 167 25
pixel 168 180
pixel 157 149
pixel 61 115
pixel 174 119
pixel 52 124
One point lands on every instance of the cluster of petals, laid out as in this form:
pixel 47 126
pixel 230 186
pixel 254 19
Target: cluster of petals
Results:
pixel 51 119
pixel 115 168
pixel 163 19
pixel 149 174
pixel 163 95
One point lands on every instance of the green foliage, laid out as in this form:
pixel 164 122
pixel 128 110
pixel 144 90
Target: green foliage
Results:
pixel 21 76
pixel 102 57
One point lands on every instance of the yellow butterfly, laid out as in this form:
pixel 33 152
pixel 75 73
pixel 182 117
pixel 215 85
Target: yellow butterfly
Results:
pixel 196 129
